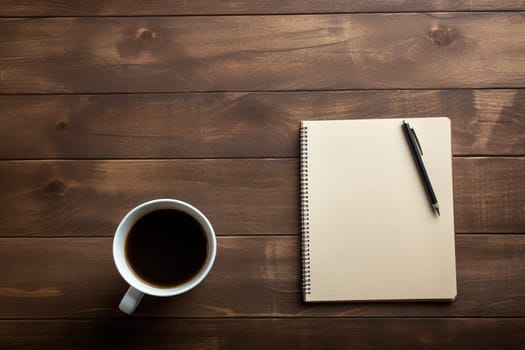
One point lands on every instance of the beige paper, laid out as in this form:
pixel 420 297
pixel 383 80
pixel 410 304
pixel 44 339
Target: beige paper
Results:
pixel 371 229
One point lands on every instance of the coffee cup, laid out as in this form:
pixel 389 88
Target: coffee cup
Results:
pixel 163 247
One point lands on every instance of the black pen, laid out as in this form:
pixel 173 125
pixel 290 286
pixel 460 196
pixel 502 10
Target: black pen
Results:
pixel 417 152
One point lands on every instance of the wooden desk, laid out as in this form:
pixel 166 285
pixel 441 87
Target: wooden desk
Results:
pixel 106 104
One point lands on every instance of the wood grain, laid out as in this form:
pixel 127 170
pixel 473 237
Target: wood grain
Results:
pixel 257 196
pixel 86 198
pixel 499 187
pixel 484 122
pixel 256 53
pixel 208 7
pixel 315 334
pixel 252 277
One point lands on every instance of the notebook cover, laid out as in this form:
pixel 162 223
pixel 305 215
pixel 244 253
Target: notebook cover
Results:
pixel 368 229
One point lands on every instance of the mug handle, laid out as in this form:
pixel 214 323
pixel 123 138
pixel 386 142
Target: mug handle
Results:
pixel 131 300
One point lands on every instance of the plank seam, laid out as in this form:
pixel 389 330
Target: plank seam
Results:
pixel 265 14
pixel 260 91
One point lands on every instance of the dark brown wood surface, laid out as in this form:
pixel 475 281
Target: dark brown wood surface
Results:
pixel 106 104
pixel 256 53
pixel 304 333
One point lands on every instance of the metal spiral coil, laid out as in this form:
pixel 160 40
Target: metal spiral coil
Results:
pixel 305 215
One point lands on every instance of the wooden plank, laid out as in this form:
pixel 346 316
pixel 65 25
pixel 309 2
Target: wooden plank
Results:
pixel 484 122
pixel 208 7
pixel 252 277
pixel 265 334
pixel 255 53
pixel 258 196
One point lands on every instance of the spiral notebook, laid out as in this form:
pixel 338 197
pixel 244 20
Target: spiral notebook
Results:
pixel 368 229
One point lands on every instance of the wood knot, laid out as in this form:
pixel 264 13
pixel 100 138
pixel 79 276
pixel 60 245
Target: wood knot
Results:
pixel 62 125
pixel 442 36
pixel 146 34
pixel 55 187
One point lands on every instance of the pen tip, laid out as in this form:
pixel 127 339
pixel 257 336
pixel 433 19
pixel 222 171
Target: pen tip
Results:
pixel 437 211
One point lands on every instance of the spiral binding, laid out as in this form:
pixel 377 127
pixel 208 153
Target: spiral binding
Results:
pixel 305 219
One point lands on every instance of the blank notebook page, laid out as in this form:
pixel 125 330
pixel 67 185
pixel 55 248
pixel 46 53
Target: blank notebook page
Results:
pixel 371 233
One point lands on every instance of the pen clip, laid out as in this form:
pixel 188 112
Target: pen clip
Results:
pixel 417 141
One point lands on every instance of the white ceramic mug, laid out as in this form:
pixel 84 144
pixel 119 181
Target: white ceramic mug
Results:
pixel 138 287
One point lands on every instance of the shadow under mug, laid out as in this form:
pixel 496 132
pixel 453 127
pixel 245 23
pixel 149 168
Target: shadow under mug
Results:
pixel 138 287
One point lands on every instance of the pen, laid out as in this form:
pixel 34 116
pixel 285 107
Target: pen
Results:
pixel 417 152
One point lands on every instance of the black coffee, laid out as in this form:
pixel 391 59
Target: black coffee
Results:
pixel 166 248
